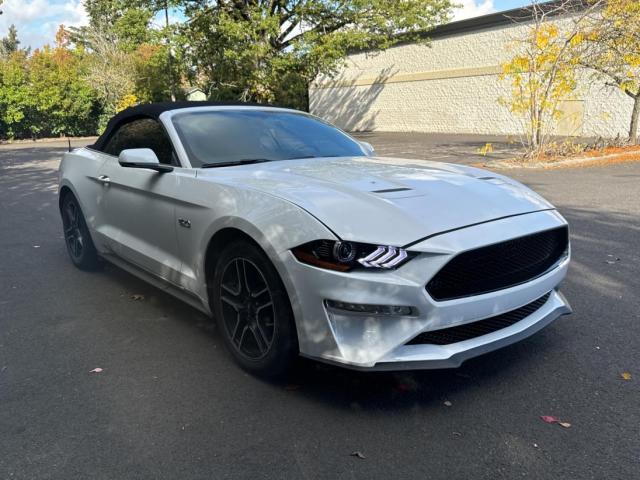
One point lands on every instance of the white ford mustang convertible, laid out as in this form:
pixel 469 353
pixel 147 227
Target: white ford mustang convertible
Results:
pixel 297 239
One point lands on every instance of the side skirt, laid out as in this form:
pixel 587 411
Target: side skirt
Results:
pixel 160 283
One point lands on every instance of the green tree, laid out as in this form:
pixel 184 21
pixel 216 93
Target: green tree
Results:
pixel 46 93
pixel 128 60
pixel 65 102
pixel 126 21
pixel 10 44
pixel 155 72
pixel 16 105
pixel 247 49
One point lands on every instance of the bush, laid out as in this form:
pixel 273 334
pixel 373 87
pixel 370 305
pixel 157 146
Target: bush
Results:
pixel 45 95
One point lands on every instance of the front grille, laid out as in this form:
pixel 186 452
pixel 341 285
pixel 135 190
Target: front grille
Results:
pixel 461 333
pixel 499 266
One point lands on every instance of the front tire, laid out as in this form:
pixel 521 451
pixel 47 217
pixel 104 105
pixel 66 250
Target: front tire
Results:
pixel 80 247
pixel 253 312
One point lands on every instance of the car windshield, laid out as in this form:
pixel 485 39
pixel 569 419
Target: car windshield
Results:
pixel 231 137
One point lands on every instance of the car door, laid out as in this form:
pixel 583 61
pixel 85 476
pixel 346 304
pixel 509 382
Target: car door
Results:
pixel 137 214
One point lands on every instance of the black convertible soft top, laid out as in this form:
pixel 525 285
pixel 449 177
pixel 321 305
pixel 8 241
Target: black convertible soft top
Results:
pixel 154 110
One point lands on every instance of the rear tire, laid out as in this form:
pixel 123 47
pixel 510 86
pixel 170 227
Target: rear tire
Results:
pixel 80 247
pixel 252 310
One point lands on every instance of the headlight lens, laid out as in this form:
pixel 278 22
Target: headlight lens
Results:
pixel 344 256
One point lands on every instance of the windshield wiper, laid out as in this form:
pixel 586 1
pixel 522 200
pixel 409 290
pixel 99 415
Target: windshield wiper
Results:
pixel 244 161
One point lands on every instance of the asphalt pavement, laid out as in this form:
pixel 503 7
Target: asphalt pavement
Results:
pixel 170 403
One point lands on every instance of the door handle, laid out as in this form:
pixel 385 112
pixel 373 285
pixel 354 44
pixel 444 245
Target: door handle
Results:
pixel 104 179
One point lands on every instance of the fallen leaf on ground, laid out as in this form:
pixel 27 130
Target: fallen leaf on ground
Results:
pixel 447 403
pixel 358 455
pixel 137 296
pixel 96 370
pixel 552 419
pixel 549 419
pixel 625 375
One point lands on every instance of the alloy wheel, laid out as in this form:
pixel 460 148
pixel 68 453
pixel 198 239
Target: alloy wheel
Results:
pixel 72 231
pixel 247 308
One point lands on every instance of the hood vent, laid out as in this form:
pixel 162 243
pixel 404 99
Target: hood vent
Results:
pixel 392 190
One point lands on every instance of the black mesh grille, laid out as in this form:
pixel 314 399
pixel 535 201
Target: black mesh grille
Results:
pixel 479 328
pixel 498 266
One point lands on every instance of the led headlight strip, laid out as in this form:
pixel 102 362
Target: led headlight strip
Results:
pixel 384 257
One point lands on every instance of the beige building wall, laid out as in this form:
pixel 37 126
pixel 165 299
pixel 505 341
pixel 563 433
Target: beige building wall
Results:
pixel 451 86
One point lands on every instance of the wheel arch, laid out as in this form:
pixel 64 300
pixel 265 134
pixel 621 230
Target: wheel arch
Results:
pixel 67 188
pixel 64 191
pixel 218 241
pixel 228 235
pixel 273 238
pixel 233 231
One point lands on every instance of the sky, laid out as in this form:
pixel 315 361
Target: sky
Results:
pixel 37 20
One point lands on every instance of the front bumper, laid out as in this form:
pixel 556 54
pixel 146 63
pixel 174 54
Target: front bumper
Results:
pixel 412 357
pixel 373 342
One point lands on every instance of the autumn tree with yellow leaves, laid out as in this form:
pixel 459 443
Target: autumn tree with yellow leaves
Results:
pixel 610 46
pixel 542 73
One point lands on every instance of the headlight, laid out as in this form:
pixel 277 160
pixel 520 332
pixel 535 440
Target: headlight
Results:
pixel 345 256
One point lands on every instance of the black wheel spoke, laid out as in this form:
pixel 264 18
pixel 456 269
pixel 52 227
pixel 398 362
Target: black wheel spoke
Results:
pixel 245 281
pixel 260 292
pixel 239 276
pixel 72 214
pixel 259 332
pixel 242 335
pixel 230 290
pixel 235 329
pixel 264 305
pixel 232 302
pixel 261 343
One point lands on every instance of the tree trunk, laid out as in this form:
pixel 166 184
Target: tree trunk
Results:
pixel 633 128
pixel 306 96
pixel 170 58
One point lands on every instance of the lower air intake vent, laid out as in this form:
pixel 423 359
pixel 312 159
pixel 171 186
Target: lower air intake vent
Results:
pixel 499 266
pixel 471 330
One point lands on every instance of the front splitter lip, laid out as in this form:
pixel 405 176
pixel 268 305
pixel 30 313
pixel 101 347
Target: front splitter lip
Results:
pixel 429 357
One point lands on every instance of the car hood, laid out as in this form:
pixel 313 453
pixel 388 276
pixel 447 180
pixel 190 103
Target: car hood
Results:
pixel 387 200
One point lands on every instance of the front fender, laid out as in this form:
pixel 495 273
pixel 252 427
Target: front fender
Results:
pixel 275 224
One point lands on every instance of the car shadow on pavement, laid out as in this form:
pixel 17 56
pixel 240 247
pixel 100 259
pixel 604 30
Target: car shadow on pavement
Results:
pixel 402 390
pixel 396 391
pixel 343 388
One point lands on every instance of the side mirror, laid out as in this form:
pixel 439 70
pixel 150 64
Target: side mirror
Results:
pixel 368 148
pixel 142 158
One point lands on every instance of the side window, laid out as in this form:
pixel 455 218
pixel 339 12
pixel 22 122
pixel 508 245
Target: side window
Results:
pixel 143 133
